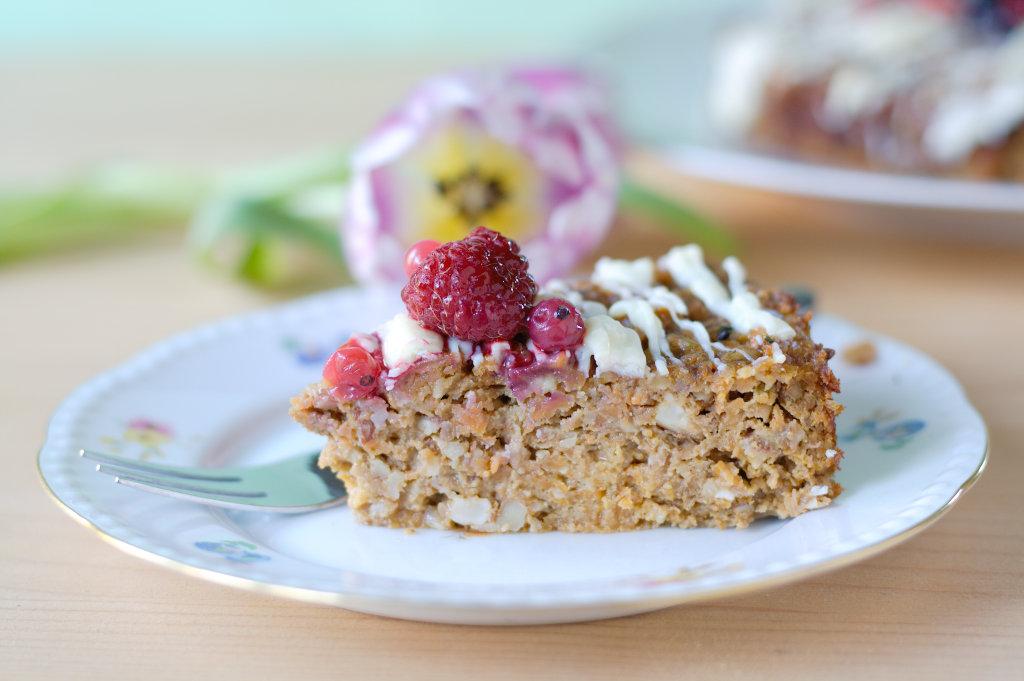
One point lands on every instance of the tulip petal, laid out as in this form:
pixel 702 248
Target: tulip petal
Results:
pixel 527 153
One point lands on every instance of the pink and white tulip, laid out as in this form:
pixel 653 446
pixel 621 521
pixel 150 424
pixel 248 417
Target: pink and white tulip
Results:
pixel 529 153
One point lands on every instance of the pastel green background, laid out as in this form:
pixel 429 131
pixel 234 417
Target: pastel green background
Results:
pixel 542 27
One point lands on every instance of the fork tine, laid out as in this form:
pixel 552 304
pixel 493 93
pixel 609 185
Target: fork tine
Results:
pixel 229 500
pixel 156 485
pixel 117 468
pixel 286 486
pixel 161 471
pixel 182 482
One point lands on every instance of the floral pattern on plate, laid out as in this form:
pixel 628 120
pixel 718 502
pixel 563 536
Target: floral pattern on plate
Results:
pixel 885 428
pixel 142 438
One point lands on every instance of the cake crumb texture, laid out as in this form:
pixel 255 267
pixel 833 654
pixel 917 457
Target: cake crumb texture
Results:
pixel 450 446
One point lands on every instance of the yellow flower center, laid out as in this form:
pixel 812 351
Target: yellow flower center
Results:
pixel 472 194
pixel 460 177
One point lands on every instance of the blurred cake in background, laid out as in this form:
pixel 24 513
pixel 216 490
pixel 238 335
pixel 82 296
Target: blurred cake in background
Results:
pixel 920 86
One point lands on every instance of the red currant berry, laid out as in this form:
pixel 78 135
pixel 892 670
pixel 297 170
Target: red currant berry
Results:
pixel 556 325
pixel 517 358
pixel 416 253
pixel 352 372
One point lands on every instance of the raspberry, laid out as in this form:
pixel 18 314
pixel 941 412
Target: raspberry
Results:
pixel 352 372
pixel 477 289
pixel 556 325
pixel 495 240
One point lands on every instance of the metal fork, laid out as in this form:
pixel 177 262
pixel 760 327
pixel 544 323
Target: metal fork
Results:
pixel 294 485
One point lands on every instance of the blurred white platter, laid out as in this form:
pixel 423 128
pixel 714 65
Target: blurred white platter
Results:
pixel 801 178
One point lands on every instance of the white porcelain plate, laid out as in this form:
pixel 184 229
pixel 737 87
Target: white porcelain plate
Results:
pixel 220 394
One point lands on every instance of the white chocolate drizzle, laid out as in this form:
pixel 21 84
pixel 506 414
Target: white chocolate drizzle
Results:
pixel 741 309
pixel 495 351
pixel 403 341
pixel 725 348
pixel 615 348
pixel 623 276
pixel 659 296
pixel 556 288
pixel 642 316
pixel 460 347
pixel 700 334
pixel 498 351
pixel 367 341
pixel 633 280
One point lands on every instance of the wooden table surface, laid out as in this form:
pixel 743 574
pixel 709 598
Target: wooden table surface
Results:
pixel 946 604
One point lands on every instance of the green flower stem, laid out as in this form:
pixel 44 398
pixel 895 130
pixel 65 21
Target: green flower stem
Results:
pixel 277 227
pixel 675 216
pixel 101 205
pixel 274 226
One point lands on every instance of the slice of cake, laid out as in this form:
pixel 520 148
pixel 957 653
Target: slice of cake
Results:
pixel 898 85
pixel 654 392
